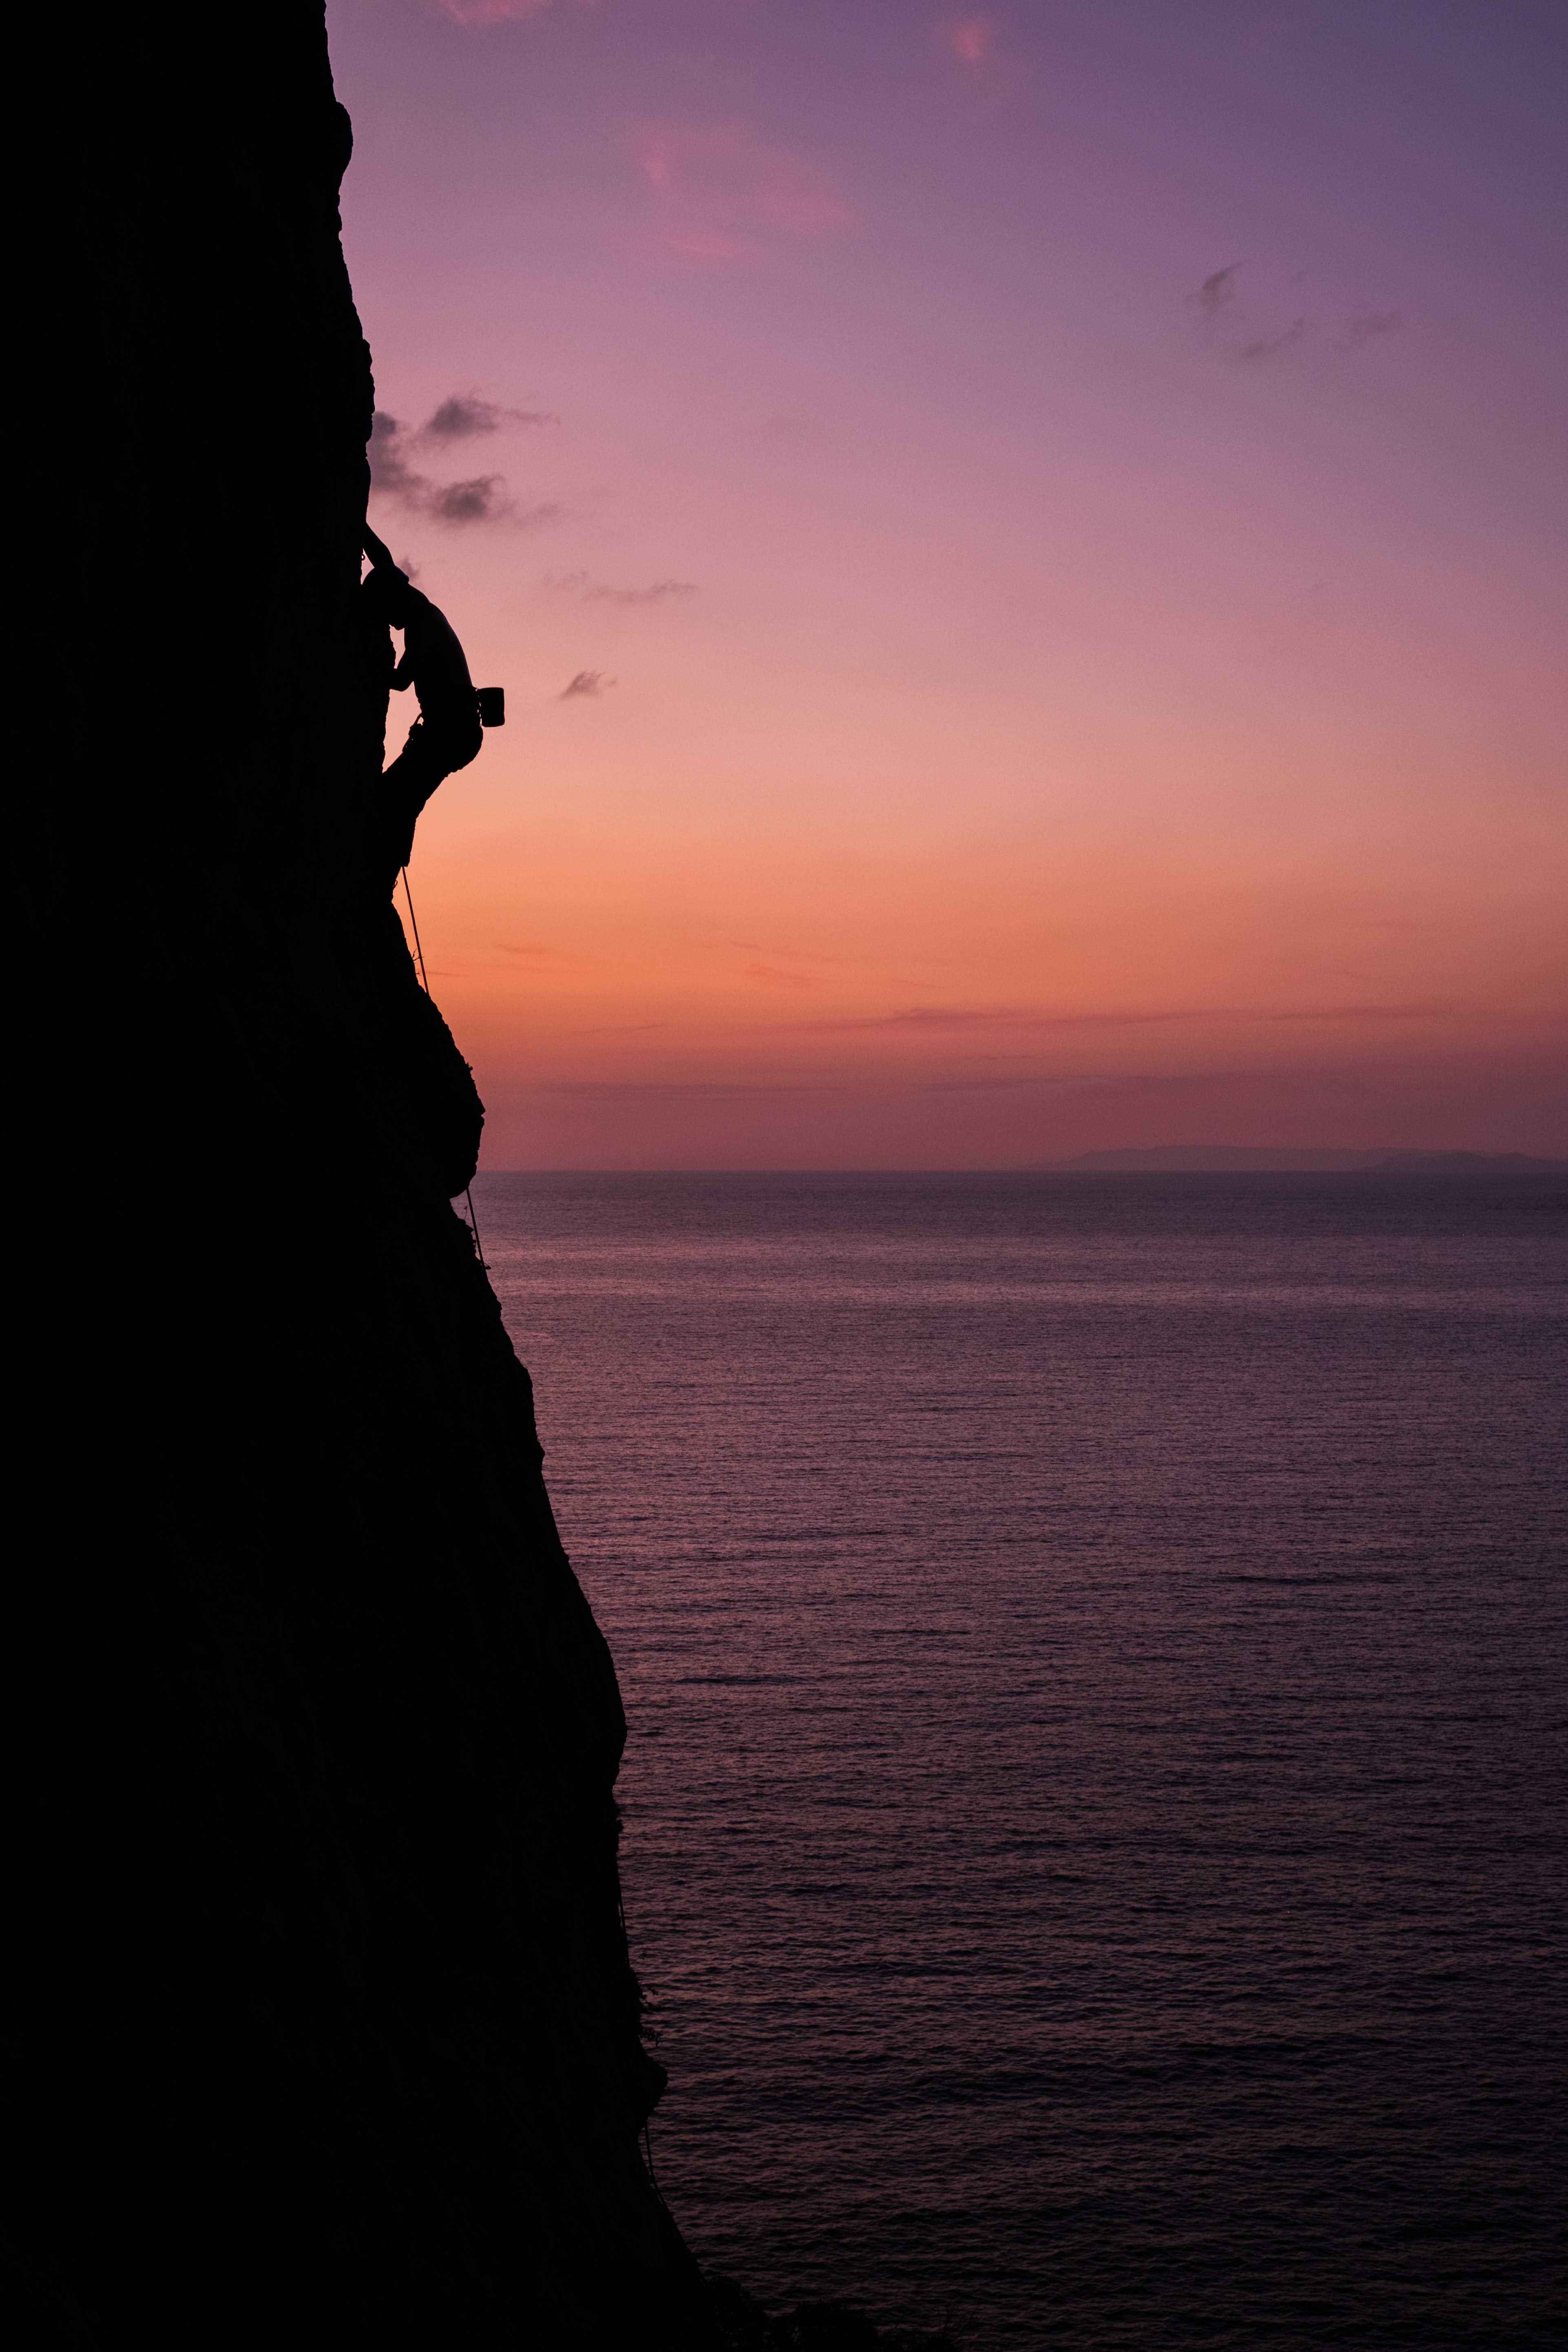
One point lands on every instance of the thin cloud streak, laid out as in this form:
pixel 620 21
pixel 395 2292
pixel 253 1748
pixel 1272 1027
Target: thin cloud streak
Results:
pixel 585 590
pixel 1370 329
pixel 540 958
pixel 1269 347
pixel 684 1090
pixel 938 1016
pixel 773 975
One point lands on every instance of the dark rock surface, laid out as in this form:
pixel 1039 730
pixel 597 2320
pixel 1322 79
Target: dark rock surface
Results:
pixel 319 2024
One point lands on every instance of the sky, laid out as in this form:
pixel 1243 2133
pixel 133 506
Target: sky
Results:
pixel 1024 547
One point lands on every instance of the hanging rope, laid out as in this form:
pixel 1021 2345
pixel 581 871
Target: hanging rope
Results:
pixel 418 950
pixel 424 985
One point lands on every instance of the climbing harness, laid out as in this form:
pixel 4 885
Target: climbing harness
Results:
pixel 424 985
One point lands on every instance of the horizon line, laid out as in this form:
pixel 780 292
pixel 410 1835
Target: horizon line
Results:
pixel 1369 1160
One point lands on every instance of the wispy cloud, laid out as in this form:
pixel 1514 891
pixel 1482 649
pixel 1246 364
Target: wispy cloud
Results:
pixel 975 54
pixel 463 415
pixel 588 684
pixel 1270 346
pixel 397 468
pixel 1370 327
pixel 1217 296
pixel 585 590
pixel 1225 318
pixel 776 975
pixel 499 12
pixel 952 1016
pixel 991 1016
pixel 539 959
pixel 968 39
pixel 483 498
pixel 686 1089
pixel 720 194
pixel 982 1016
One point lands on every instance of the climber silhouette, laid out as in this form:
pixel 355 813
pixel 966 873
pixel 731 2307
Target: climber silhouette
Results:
pixel 448 730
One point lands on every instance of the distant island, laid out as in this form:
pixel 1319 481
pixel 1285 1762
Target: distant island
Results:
pixel 1172 1159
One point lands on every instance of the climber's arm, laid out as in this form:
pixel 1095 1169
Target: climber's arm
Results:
pixel 447 697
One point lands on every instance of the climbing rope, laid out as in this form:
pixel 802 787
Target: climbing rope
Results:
pixel 424 985
pixel 418 950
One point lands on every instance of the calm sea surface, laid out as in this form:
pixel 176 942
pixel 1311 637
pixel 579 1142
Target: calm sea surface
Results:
pixel 1094 1654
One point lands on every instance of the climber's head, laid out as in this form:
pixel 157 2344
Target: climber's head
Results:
pixel 387 590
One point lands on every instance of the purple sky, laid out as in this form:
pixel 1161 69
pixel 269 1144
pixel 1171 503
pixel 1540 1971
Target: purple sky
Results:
pixel 1053 516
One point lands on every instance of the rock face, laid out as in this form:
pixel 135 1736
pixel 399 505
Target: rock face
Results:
pixel 318 2020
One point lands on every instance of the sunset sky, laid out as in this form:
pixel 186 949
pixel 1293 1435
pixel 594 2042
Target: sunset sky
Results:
pixel 1025 550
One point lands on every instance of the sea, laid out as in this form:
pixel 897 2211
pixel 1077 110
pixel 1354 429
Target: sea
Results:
pixel 1093 1654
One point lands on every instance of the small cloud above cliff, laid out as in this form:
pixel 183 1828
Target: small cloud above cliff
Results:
pixel 587 684
pixel 396 463
pixel 482 500
pixel 463 414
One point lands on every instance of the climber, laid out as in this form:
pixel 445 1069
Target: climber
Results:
pixel 448 730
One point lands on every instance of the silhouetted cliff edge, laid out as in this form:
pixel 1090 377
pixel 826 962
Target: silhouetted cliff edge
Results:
pixel 319 2022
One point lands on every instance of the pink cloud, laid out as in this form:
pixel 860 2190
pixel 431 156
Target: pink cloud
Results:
pixel 718 192
pixel 790 197
pixel 499 12
pixel 968 38
pixel 660 159
pixel 701 245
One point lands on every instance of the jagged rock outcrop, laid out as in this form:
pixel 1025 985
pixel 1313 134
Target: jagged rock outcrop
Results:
pixel 319 2022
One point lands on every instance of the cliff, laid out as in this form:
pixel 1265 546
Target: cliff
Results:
pixel 319 2021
